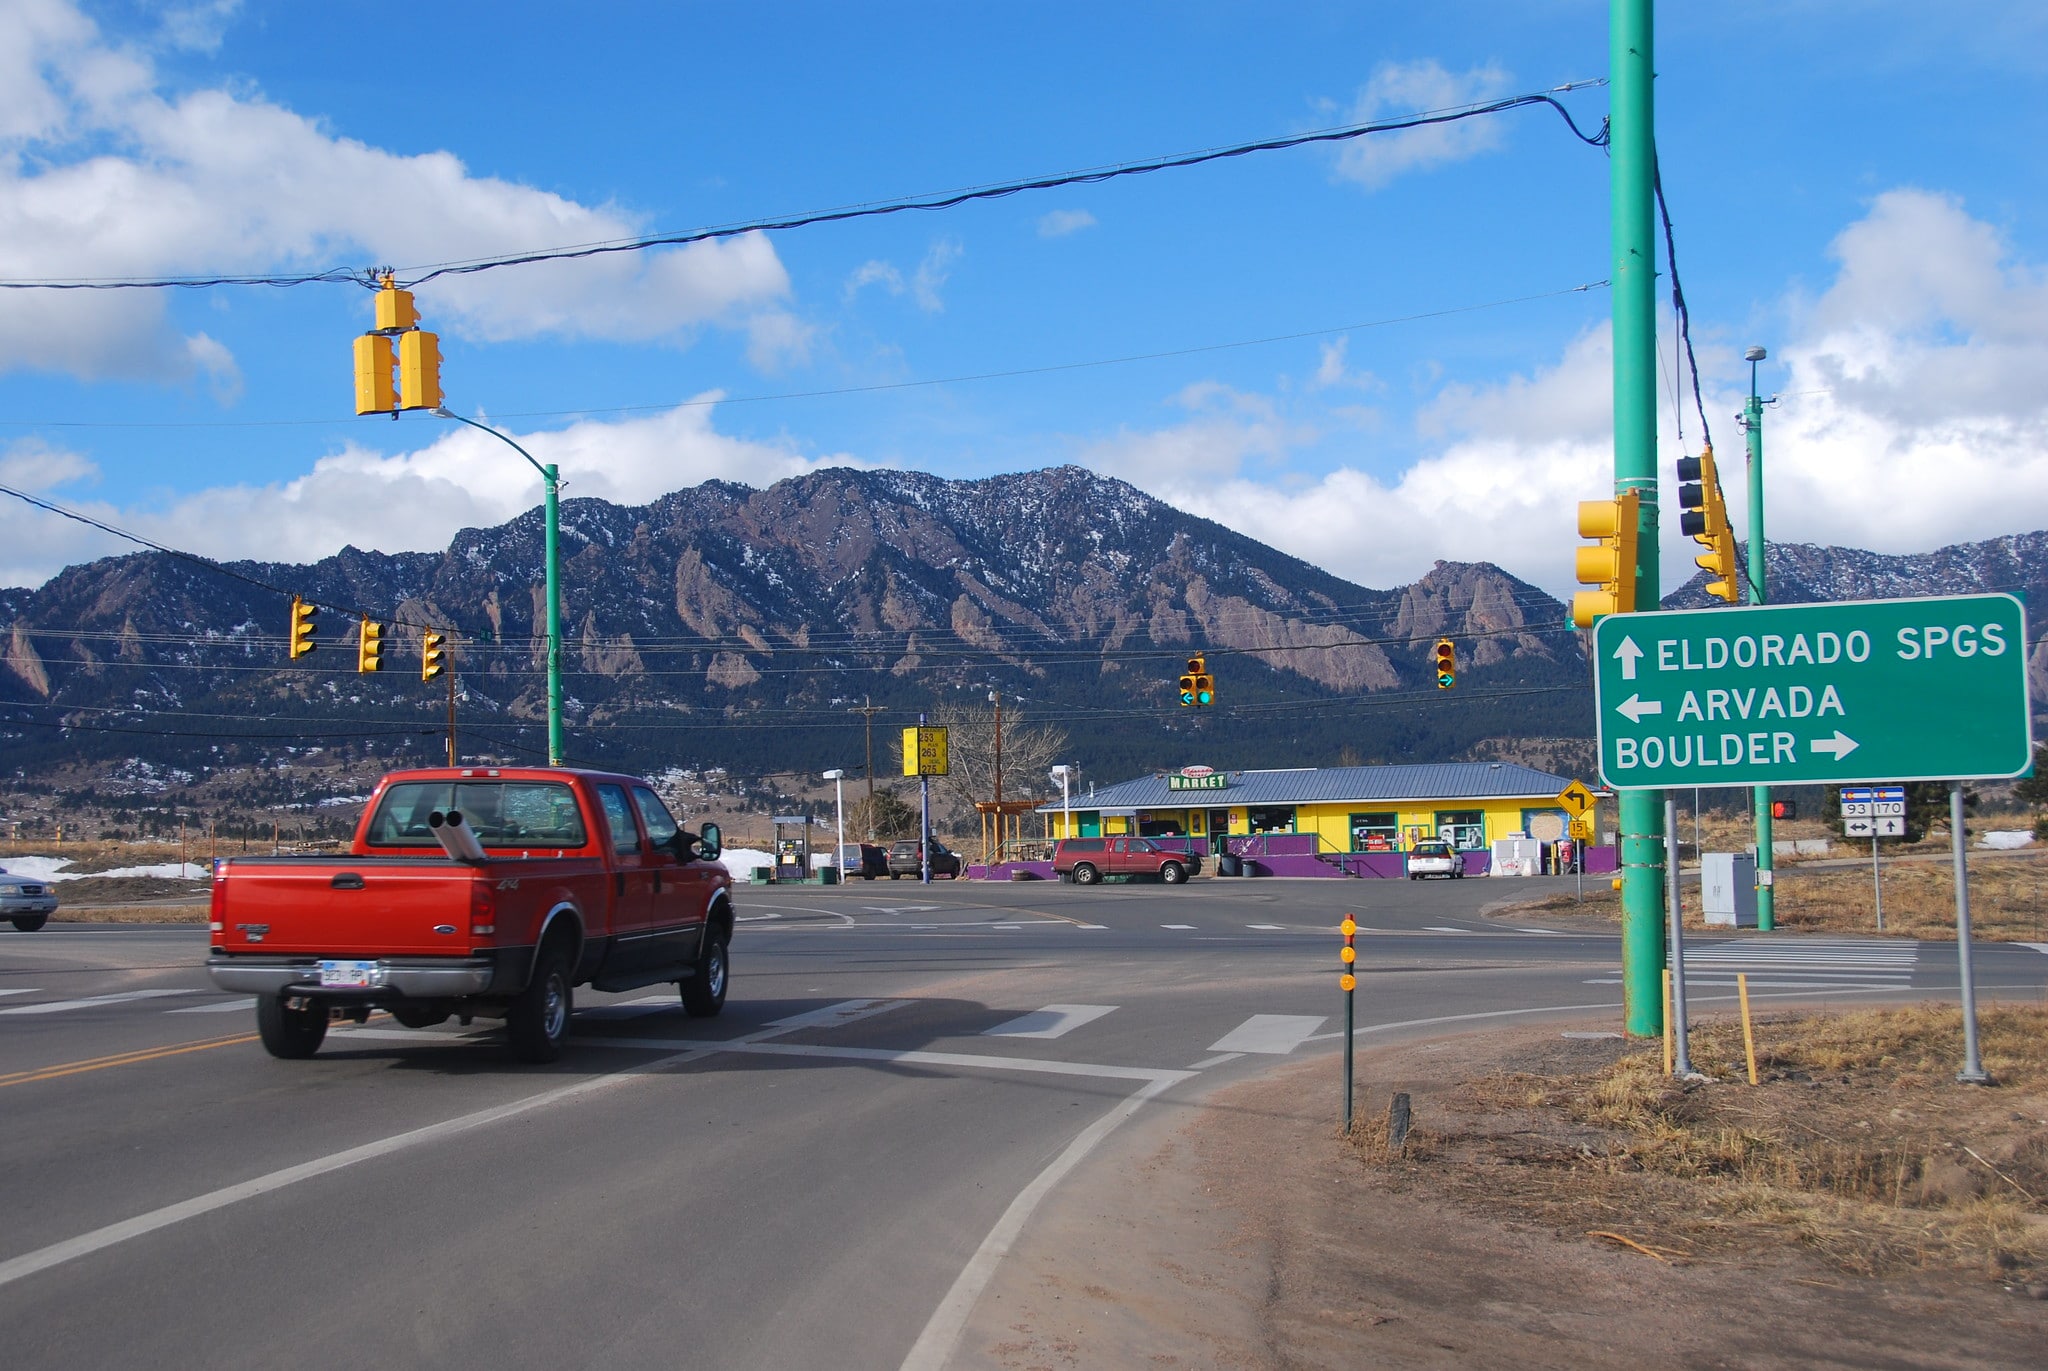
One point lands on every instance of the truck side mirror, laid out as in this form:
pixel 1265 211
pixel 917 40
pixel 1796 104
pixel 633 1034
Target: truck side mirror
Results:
pixel 710 842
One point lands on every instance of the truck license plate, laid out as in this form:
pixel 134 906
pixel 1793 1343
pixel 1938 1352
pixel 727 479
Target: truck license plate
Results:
pixel 356 974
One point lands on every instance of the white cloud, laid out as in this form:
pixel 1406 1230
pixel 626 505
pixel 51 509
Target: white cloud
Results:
pixel 875 273
pixel 408 501
pixel 1062 222
pixel 32 465
pixel 129 181
pixel 1398 88
pixel 1913 417
pixel 933 272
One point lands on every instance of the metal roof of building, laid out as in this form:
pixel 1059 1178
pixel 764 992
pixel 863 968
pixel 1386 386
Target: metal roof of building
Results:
pixel 1431 781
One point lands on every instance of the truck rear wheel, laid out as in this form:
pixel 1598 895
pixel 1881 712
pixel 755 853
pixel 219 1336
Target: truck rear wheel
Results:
pixel 538 1021
pixel 1173 873
pixel 288 1033
pixel 704 991
pixel 1085 874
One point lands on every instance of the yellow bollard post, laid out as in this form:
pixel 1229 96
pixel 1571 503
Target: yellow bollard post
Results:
pixel 1667 1021
pixel 1748 1033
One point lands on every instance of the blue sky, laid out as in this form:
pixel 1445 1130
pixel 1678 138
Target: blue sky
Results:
pixel 1857 186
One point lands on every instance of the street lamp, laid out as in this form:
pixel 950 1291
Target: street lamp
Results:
pixel 838 780
pixel 552 482
pixel 1063 774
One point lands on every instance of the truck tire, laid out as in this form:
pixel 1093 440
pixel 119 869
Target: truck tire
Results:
pixel 1084 874
pixel 537 1022
pixel 704 991
pixel 290 1034
pixel 1173 873
pixel 29 923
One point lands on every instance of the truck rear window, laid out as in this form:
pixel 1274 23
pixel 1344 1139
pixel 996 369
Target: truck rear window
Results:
pixel 503 813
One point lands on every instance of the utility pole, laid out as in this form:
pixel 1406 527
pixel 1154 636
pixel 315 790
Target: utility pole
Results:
pixel 997 697
pixel 451 718
pixel 868 708
pixel 1753 430
pixel 1632 159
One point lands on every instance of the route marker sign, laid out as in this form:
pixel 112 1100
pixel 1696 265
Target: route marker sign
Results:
pixel 1904 690
pixel 1576 798
pixel 1877 811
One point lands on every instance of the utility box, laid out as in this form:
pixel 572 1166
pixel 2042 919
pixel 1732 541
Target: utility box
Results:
pixel 1728 888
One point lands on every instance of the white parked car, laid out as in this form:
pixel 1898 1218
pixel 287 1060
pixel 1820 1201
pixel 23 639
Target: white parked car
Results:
pixel 27 901
pixel 1434 859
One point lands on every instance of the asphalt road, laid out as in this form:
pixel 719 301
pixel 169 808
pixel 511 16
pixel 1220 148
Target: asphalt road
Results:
pixel 822 1176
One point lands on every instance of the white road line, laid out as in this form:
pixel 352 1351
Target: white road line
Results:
pixel 1544 932
pixel 37 990
pixel 1180 928
pixel 1053 1021
pixel 219 1007
pixel 1267 928
pixel 974 1061
pixel 632 1009
pixel 1434 928
pixel 832 1015
pixel 99 1239
pixel 1461 1018
pixel 1219 1059
pixel 1271 1034
pixel 60 1006
pixel 2038 947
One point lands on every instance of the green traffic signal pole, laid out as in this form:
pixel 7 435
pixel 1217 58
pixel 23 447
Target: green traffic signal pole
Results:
pixel 1753 430
pixel 551 480
pixel 1632 152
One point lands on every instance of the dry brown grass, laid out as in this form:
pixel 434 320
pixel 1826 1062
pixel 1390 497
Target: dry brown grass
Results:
pixel 2008 899
pixel 1858 1145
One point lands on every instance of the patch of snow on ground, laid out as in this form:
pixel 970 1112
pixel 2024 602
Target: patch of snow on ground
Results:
pixel 741 861
pixel 52 869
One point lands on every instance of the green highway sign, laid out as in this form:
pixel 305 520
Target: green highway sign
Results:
pixel 1862 690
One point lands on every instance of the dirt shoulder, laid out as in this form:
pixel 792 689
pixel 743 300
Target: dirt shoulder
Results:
pixel 1246 1232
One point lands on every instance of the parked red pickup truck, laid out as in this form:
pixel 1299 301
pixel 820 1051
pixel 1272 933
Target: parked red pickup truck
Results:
pixel 1084 861
pixel 479 892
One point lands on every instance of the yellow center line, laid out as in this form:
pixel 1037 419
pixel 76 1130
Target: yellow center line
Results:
pixel 146 1054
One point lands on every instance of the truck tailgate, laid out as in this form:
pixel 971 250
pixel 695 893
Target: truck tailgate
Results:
pixel 382 906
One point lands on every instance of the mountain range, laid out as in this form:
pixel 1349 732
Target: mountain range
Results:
pixel 730 627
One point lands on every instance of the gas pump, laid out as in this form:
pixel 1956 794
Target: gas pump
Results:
pixel 792 847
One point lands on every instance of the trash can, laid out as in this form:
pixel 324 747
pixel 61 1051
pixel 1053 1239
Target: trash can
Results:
pixel 828 875
pixel 1229 865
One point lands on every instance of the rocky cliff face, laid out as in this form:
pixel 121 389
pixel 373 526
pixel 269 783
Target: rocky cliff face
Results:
pixel 735 626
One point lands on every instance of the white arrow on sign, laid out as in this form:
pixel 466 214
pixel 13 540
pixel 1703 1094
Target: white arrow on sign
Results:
pixel 1628 654
pixel 1841 745
pixel 1635 707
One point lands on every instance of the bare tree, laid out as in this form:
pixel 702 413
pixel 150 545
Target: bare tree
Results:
pixel 1028 752
pixel 892 817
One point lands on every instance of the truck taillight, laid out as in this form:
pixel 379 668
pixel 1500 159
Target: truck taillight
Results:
pixel 216 901
pixel 483 910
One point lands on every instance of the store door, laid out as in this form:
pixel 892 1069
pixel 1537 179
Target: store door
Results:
pixel 1219 830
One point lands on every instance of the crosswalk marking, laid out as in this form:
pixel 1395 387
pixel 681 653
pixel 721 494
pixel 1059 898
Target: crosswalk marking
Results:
pixel 633 1009
pixel 1053 1021
pixel 219 1007
pixel 1798 964
pixel 1272 1034
pixel 60 1006
pixel 845 1012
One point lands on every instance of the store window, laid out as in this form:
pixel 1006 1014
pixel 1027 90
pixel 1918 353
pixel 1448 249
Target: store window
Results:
pixel 1463 829
pixel 1162 825
pixel 1270 818
pixel 1375 832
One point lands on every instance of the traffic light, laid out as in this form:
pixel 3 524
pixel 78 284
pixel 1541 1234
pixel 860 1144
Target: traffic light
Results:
pixel 1446 664
pixel 419 370
pixel 395 311
pixel 430 655
pixel 370 647
pixel 1611 566
pixel 1784 809
pixel 1197 686
pixel 1705 521
pixel 374 391
pixel 302 626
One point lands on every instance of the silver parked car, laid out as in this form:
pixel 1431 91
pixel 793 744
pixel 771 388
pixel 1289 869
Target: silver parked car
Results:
pixel 27 901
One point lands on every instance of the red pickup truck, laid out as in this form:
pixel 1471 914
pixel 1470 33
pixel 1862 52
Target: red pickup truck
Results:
pixel 479 892
pixel 1084 861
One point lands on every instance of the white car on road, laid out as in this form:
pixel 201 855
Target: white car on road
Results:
pixel 26 900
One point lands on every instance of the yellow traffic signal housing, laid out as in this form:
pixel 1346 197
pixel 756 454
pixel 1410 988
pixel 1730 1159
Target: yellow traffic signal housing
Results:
pixel 1197 686
pixel 395 311
pixel 374 392
pixel 430 655
pixel 302 626
pixel 1205 688
pixel 1446 664
pixel 419 370
pixel 1705 521
pixel 1610 566
pixel 370 647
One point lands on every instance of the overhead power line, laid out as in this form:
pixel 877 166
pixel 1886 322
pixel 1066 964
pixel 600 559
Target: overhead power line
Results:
pixel 413 276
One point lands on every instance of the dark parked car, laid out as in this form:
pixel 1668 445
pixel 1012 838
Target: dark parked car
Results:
pixel 865 860
pixel 904 860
